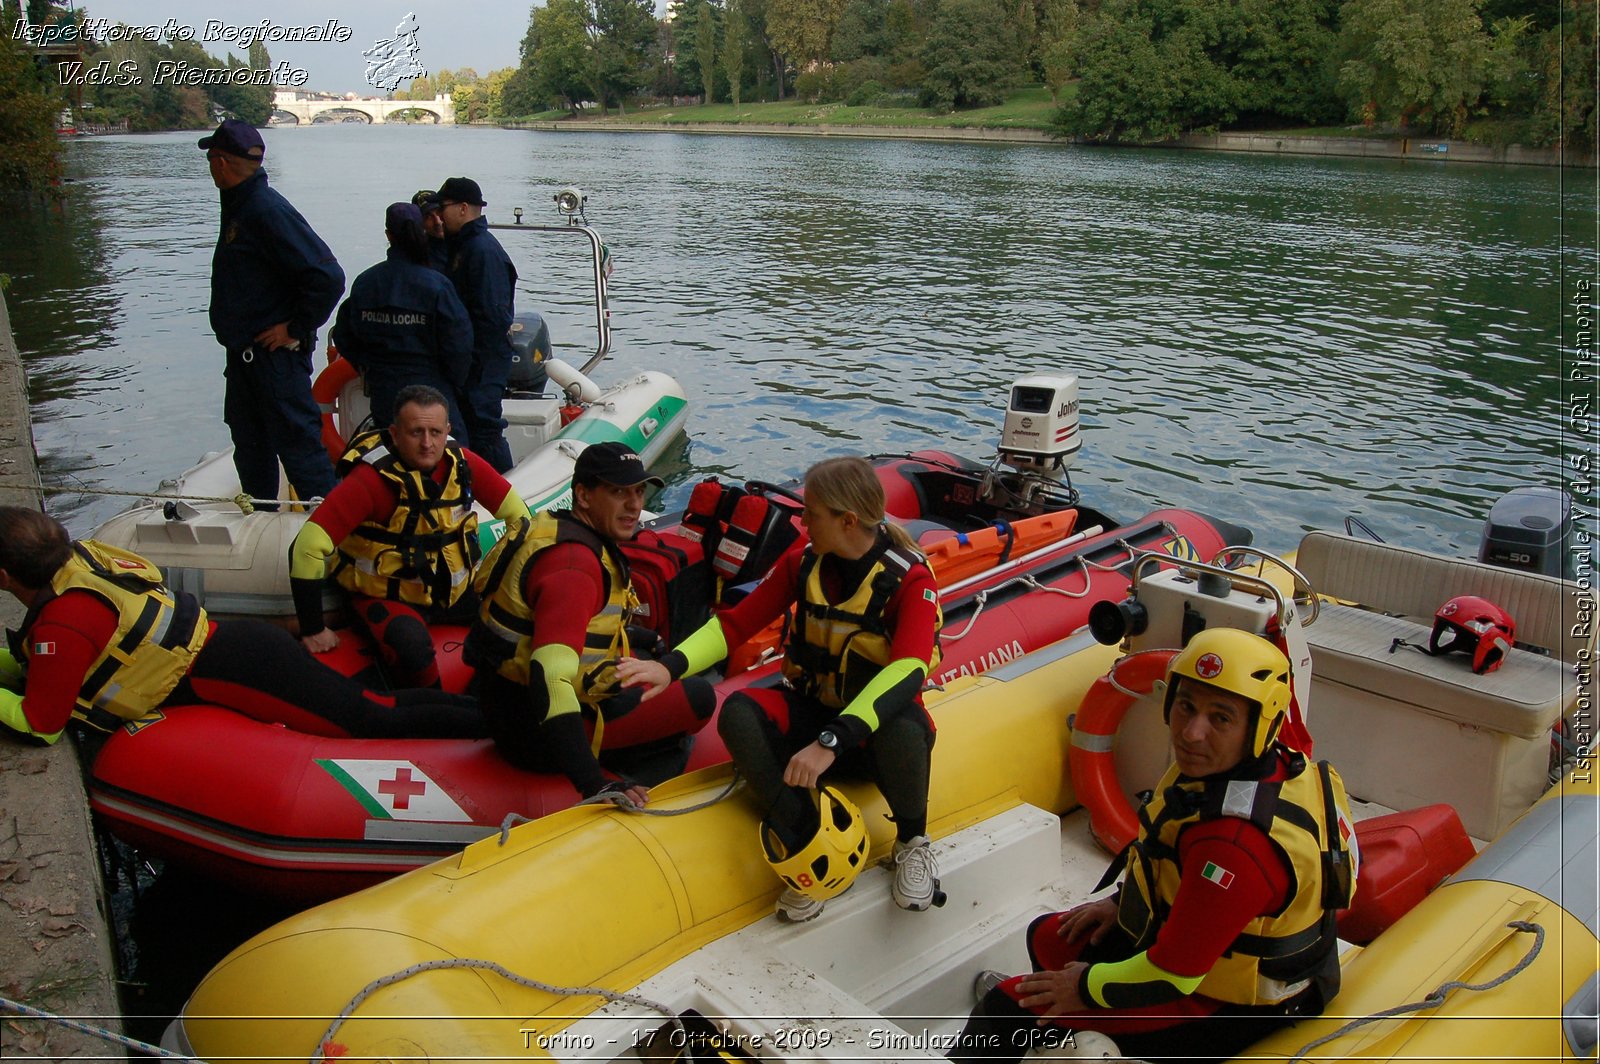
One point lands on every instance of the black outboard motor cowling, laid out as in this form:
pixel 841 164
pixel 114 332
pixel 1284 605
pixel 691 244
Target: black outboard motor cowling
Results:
pixel 530 346
pixel 1530 528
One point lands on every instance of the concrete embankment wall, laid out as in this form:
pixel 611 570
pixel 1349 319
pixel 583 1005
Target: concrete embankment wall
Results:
pixel 1408 148
pixel 56 946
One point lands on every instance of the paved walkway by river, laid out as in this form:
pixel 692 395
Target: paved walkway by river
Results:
pixel 56 947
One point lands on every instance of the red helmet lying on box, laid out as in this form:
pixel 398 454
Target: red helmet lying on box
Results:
pixel 1474 626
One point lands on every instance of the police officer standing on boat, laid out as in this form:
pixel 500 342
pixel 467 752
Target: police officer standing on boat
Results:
pixel 273 284
pixel 485 280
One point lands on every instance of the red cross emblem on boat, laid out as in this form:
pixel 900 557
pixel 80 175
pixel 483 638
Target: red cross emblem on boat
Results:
pixel 402 787
pixel 1208 667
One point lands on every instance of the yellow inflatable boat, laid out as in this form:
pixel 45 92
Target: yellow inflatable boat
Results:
pixel 599 935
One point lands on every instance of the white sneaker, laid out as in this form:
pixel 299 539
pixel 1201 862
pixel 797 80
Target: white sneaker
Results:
pixel 915 874
pixel 796 908
pixel 984 982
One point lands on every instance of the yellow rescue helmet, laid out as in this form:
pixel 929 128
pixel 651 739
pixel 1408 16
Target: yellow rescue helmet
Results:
pixel 1243 664
pixel 836 854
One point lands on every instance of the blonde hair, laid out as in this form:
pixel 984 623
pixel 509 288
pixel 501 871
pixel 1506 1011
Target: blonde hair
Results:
pixel 849 484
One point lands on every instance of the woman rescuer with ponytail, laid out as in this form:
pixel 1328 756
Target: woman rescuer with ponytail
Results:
pixel 859 650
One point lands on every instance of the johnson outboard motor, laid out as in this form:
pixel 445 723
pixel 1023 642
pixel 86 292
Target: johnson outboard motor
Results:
pixel 530 348
pixel 1530 529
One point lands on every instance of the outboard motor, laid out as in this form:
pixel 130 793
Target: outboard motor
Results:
pixel 1039 440
pixel 1530 528
pixel 530 348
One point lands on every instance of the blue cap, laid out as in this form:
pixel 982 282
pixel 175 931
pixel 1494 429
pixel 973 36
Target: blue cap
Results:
pixel 399 215
pixel 236 138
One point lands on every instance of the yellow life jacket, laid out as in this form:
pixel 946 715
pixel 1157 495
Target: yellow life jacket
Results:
pixel 1307 817
pixel 502 637
pixel 158 633
pixel 425 554
pixel 835 649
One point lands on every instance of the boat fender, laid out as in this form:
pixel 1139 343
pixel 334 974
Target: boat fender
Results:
pixel 1094 732
pixel 329 383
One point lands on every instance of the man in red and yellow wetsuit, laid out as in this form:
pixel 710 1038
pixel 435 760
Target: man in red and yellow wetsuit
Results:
pixel 104 640
pixel 399 534
pixel 552 626
pixel 1223 927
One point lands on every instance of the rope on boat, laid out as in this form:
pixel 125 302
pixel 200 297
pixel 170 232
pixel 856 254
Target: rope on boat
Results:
pixel 327 1051
pixel 244 502
pixel 620 800
pixel 20 1009
pixel 1111 676
pixel 1436 998
pixel 1027 580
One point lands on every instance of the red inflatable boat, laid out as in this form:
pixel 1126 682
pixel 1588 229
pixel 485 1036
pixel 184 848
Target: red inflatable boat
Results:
pixel 308 817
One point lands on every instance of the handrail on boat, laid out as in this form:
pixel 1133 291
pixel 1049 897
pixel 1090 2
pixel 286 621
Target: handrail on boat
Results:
pixel 597 251
pixel 1235 580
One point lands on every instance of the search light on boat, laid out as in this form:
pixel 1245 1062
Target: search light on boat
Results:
pixel 570 201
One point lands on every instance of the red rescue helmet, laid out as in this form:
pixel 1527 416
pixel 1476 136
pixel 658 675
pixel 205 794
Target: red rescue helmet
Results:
pixel 1474 626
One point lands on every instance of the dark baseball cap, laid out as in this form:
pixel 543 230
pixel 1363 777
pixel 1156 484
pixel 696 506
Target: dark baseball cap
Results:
pixel 426 201
pixel 398 214
pixel 236 138
pixel 461 190
pixel 614 463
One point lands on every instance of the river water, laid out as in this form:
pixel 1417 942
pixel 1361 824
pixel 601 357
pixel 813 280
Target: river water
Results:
pixel 1278 341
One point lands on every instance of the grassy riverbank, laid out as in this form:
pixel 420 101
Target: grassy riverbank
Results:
pixel 1026 116
pixel 1029 108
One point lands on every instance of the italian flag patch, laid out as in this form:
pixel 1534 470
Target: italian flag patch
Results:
pixel 1217 874
pixel 928 595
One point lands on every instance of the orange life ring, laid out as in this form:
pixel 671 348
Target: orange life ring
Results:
pixel 329 383
pixel 1094 733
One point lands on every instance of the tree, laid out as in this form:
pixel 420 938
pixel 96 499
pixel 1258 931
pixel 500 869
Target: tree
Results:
pixel 1058 24
pixel 968 63
pixel 803 30
pixel 621 34
pixel 705 50
pixel 30 153
pixel 1405 61
pixel 734 41
pixel 556 53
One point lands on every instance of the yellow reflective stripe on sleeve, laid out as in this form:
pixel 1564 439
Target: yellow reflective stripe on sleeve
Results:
pixel 560 665
pixel 1131 980
pixel 865 705
pixel 706 646
pixel 512 508
pixel 310 552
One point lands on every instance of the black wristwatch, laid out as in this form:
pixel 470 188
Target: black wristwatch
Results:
pixel 827 740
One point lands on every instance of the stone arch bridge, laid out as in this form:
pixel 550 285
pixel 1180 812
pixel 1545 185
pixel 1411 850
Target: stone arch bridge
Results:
pixel 377 111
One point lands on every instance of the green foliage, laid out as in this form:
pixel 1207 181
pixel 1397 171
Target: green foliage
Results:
pixel 621 35
pixel 555 56
pixel 705 51
pixel 30 154
pixel 1569 86
pixel 735 40
pixel 1152 69
pixel 1413 62
pixel 802 30
pixel 968 64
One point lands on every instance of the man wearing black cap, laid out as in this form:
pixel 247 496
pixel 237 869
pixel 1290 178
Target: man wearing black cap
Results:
pixel 485 280
pixel 427 201
pixel 273 283
pixel 403 324
pixel 551 628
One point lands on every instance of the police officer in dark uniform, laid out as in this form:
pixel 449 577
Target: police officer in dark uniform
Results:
pixel 273 283
pixel 403 324
pixel 485 280
pixel 427 201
